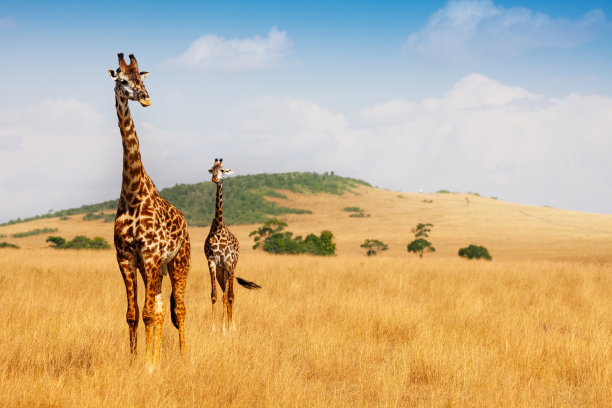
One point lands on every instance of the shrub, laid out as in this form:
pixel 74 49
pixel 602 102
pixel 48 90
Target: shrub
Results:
pixel 353 209
pixel 475 252
pixel 78 242
pixel 271 238
pixel 8 245
pixel 37 231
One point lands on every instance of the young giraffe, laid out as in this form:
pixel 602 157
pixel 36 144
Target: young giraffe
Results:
pixel 221 249
pixel 150 233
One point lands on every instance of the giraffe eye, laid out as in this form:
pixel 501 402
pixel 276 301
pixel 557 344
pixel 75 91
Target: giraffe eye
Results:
pixel 124 82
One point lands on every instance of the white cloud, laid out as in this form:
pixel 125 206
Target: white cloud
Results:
pixel 482 135
pixel 505 141
pixel 213 53
pixel 55 154
pixel 467 31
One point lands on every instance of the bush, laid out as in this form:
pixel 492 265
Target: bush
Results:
pixel 475 252
pixel 353 209
pixel 272 238
pixel 8 245
pixel 78 242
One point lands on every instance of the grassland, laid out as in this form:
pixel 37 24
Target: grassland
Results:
pixel 531 328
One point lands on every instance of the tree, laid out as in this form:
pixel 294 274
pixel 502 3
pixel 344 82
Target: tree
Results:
pixel 420 246
pixel 56 242
pixel 475 252
pixel 270 227
pixel 272 238
pixel 373 246
pixel 422 230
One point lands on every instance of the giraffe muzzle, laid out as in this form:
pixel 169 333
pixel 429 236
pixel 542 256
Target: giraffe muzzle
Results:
pixel 145 101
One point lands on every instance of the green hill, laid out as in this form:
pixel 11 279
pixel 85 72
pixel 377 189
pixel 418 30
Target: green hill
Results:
pixel 243 198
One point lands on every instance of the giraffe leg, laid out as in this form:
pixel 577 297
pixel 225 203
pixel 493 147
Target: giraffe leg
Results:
pixel 148 313
pixel 128 271
pixel 213 292
pixel 225 287
pixel 230 301
pixel 160 312
pixel 178 269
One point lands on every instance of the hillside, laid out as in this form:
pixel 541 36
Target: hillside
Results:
pixel 510 231
pixel 244 198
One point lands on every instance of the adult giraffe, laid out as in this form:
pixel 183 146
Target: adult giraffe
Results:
pixel 150 233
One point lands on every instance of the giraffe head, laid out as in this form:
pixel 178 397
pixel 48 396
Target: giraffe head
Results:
pixel 128 81
pixel 218 171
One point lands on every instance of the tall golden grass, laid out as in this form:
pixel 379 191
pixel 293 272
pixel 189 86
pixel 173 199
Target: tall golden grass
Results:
pixel 530 328
pixel 343 331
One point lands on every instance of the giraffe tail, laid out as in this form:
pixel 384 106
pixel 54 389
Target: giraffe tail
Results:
pixel 247 284
pixel 172 313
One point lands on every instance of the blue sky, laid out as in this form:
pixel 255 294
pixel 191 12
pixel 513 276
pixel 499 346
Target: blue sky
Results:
pixel 511 99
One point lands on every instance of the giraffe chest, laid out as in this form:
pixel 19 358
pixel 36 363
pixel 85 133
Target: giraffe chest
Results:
pixel 222 248
pixel 148 231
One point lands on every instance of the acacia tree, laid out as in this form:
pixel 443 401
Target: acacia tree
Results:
pixel 420 245
pixel 373 246
pixel 269 228
pixel 422 230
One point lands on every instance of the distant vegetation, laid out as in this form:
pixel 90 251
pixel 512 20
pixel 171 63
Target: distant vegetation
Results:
pixel 353 209
pixel 475 252
pixel 64 214
pixel 37 231
pixel 373 246
pixel 92 216
pixel 78 242
pixel 271 238
pixel 8 245
pixel 244 198
pixel 355 212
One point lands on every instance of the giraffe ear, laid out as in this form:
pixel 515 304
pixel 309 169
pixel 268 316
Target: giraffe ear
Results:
pixel 112 74
pixel 210 171
pixel 144 74
pixel 227 171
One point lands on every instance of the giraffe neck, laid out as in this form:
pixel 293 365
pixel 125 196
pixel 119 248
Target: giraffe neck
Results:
pixel 219 206
pixel 133 170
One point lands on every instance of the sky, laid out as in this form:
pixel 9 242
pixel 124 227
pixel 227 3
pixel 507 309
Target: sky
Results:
pixel 508 99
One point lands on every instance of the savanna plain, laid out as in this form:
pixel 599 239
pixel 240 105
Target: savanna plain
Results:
pixel 532 327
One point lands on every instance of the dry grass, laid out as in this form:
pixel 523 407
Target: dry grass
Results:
pixel 531 328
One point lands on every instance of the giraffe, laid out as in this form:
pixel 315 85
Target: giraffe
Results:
pixel 150 233
pixel 221 249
